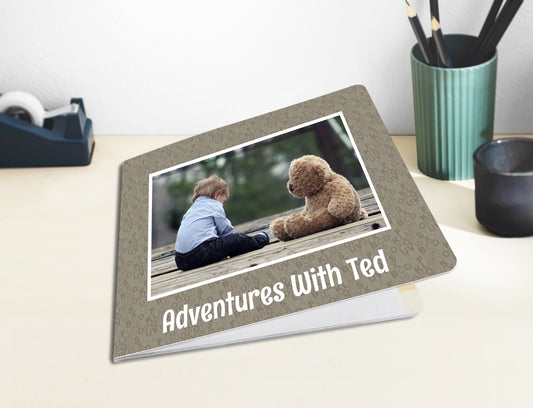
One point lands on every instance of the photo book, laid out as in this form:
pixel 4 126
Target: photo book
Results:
pixel 302 219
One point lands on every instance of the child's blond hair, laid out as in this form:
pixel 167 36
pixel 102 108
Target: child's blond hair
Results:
pixel 209 186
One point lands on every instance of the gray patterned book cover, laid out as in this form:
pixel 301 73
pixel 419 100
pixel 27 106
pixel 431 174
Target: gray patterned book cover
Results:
pixel 322 179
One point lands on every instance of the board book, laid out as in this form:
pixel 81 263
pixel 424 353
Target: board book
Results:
pixel 293 284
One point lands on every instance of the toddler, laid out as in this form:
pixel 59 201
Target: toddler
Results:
pixel 205 235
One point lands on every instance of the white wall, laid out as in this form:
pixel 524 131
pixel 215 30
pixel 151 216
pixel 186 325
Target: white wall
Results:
pixel 184 67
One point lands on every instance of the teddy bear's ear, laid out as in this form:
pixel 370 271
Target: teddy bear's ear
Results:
pixel 322 170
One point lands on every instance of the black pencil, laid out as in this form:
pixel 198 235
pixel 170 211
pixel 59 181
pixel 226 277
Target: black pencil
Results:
pixel 497 31
pixel 434 8
pixel 487 25
pixel 491 18
pixel 508 12
pixel 443 55
pixel 419 34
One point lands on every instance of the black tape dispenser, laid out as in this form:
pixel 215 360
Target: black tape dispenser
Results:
pixel 30 136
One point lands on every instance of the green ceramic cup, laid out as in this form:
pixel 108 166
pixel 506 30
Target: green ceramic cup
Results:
pixel 454 109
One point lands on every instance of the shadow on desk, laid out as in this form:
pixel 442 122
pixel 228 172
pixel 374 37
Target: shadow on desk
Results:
pixel 453 205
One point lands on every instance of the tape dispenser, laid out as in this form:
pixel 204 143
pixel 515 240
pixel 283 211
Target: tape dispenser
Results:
pixel 31 136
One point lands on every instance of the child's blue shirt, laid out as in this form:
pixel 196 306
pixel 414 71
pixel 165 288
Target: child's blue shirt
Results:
pixel 205 219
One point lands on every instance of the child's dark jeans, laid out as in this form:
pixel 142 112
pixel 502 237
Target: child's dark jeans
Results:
pixel 217 249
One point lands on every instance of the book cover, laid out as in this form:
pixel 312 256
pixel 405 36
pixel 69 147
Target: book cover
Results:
pixel 318 253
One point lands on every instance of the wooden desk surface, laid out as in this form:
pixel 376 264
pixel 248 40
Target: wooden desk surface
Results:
pixel 472 345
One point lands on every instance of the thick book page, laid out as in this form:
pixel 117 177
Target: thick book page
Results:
pixel 389 304
pixel 322 178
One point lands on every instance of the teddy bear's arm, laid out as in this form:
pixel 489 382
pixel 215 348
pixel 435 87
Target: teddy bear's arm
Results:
pixel 277 227
pixel 343 198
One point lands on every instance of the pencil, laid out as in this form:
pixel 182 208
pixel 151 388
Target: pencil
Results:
pixel 434 8
pixel 443 55
pixel 497 31
pixel 487 25
pixel 419 34
pixel 491 17
pixel 508 12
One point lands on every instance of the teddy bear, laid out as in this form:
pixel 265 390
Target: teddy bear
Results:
pixel 330 200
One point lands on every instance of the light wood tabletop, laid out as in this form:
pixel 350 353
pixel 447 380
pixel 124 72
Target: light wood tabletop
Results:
pixel 472 344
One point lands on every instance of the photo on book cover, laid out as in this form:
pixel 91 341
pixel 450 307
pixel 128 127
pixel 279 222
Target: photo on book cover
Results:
pixel 227 213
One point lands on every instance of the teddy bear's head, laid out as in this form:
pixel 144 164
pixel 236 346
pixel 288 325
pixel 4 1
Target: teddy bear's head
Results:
pixel 307 175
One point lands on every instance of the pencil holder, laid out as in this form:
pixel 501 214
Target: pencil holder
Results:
pixel 454 109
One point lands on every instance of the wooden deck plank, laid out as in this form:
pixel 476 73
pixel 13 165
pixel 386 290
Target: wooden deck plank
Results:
pixel 163 252
pixel 167 265
pixel 174 279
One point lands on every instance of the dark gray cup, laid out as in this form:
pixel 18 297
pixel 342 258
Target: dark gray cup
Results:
pixel 503 172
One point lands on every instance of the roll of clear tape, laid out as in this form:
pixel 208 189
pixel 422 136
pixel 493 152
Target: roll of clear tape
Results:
pixel 25 106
